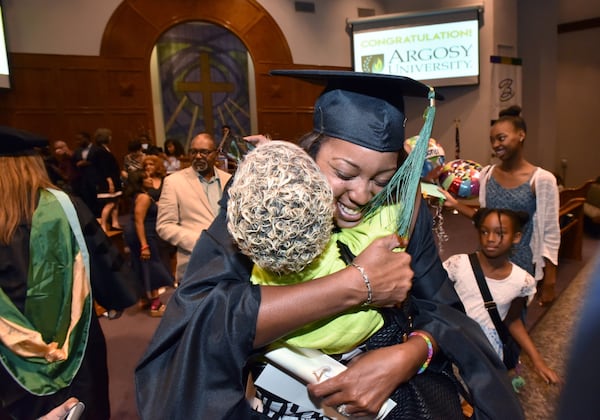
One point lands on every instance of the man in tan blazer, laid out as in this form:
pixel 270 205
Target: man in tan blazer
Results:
pixel 189 199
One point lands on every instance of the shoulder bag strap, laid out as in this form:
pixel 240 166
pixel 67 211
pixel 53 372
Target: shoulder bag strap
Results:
pixel 488 300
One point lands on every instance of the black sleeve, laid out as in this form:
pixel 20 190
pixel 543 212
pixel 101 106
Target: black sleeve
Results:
pixel 431 279
pixel 194 365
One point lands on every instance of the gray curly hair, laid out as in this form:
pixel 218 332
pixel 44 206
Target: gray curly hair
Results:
pixel 280 210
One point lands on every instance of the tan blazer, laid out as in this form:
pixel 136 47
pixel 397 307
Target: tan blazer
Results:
pixel 184 212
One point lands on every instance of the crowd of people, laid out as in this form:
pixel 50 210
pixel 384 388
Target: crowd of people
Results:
pixel 326 245
pixel 93 173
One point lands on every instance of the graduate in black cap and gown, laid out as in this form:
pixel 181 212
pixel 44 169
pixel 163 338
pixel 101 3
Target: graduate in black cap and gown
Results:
pixel 218 323
pixel 54 260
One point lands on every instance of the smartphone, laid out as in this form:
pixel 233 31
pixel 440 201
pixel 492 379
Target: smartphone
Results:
pixel 75 412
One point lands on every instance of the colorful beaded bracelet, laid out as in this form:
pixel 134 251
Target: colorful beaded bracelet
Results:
pixel 425 364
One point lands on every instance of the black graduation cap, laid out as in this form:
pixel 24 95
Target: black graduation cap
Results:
pixel 14 142
pixel 363 108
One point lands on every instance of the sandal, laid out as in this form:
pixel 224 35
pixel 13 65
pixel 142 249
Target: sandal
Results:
pixel 158 312
pixel 112 314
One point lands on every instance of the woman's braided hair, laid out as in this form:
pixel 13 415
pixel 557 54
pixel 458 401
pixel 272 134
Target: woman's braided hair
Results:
pixel 280 209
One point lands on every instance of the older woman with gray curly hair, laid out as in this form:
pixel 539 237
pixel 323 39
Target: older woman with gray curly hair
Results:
pixel 281 208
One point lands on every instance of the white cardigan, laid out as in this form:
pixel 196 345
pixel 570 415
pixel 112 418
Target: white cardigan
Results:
pixel 545 239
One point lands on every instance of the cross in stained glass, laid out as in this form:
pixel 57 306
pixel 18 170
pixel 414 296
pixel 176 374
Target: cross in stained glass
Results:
pixel 206 87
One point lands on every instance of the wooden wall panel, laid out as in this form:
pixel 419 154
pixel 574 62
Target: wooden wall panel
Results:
pixel 128 33
pixel 42 122
pixel 127 89
pixel 82 88
pixel 38 87
pixel 59 96
pixel 286 124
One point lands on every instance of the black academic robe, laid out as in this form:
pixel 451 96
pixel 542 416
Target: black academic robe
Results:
pixel 87 178
pixel 194 365
pixel 106 166
pixel 113 286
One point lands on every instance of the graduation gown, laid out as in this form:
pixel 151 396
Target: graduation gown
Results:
pixel 113 287
pixel 195 364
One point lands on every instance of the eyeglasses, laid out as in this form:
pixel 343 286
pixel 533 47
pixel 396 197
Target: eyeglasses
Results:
pixel 202 152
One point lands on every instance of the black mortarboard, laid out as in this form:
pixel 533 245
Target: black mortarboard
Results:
pixel 363 108
pixel 15 142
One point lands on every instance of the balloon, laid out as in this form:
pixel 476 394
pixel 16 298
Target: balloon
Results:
pixel 460 177
pixel 434 158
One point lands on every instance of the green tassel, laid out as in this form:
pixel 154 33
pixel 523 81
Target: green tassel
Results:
pixel 404 184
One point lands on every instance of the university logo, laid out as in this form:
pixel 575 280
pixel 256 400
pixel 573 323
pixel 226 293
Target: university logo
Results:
pixel 372 63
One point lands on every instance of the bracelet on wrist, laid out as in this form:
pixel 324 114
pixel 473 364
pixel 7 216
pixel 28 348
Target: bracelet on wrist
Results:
pixel 145 247
pixel 425 364
pixel 367 283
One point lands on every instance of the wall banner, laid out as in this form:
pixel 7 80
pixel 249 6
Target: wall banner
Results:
pixel 506 83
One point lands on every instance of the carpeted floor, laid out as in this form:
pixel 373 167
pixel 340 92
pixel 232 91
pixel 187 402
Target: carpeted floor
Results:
pixel 552 335
pixel 128 336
